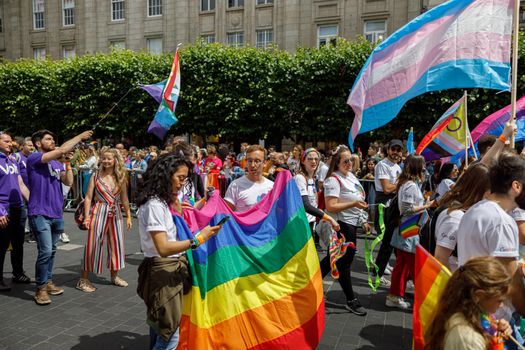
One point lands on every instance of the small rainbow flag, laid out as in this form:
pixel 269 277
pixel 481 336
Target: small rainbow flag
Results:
pixel 257 284
pixel 429 283
pixel 411 226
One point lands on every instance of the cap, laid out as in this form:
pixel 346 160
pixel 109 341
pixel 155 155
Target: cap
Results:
pixel 395 142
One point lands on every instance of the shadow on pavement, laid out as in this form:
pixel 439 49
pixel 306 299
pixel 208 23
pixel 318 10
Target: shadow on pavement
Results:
pixel 380 336
pixel 113 340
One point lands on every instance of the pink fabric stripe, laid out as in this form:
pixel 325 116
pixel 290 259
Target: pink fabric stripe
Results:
pixel 216 205
pixel 488 46
pixel 487 122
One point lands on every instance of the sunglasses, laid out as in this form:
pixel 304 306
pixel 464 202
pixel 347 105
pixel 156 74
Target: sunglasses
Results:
pixel 347 161
pixel 312 159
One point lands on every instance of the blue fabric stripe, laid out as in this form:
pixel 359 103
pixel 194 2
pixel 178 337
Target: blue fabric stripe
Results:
pixel 259 234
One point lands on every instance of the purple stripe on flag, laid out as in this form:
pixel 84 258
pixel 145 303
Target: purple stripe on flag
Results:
pixel 155 90
pixel 157 130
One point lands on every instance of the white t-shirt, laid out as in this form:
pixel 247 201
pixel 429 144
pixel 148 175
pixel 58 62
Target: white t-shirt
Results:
pixel 386 169
pixel 519 215
pixel 307 189
pixel 444 186
pixel 447 232
pixel 347 189
pixel 155 216
pixel 322 170
pixel 244 194
pixel 487 230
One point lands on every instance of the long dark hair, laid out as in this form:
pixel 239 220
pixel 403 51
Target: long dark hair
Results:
pixel 157 179
pixel 413 170
pixel 445 171
pixel 336 159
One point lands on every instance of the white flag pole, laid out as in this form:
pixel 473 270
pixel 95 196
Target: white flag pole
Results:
pixel 514 67
pixel 466 129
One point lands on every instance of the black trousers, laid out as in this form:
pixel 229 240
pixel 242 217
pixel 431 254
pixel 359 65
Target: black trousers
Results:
pixel 345 263
pixel 14 234
pixel 385 251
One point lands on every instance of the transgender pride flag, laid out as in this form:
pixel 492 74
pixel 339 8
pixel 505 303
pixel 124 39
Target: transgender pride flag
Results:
pixel 459 44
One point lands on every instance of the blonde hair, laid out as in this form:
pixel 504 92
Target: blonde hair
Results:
pixel 254 148
pixel 119 172
pixel 356 163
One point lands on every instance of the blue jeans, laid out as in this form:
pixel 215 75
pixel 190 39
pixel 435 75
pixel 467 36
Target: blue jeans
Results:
pixel 47 233
pixel 157 343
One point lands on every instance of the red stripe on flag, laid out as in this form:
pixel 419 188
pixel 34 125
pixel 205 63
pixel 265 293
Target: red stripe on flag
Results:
pixel 171 81
pixel 432 134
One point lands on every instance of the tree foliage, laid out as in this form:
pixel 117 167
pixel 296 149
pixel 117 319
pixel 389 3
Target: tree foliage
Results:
pixel 237 93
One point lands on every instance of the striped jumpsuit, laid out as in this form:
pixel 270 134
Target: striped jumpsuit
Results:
pixel 106 224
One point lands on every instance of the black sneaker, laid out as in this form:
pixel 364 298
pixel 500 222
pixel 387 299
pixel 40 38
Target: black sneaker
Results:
pixel 355 307
pixel 23 278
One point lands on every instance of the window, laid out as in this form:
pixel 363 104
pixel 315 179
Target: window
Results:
pixel 264 38
pixel 154 8
pixel 209 38
pixel 207 5
pixel 68 52
pixel 236 39
pixel 39 53
pixel 38 14
pixel 375 31
pixel 68 12
pixel 235 3
pixel 326 35
pixel 117 10
pixel 117 45
pixel 154 45
pixel 264 2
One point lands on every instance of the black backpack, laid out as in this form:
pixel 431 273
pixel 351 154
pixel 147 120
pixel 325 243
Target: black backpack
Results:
pixel 392 214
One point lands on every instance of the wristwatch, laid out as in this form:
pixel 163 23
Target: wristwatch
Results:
pixel 194 243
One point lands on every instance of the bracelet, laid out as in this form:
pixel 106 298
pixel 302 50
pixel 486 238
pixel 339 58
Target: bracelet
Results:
pixel 326 217
pixel 502 138
pixel 200 239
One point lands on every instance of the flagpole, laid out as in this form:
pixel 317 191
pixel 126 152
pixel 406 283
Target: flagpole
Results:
pixel 466 130
pixel 514 67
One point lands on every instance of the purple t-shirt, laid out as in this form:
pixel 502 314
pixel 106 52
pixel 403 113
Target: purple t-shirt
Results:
pixel 10 195
pixel 22 166
pixel 45 187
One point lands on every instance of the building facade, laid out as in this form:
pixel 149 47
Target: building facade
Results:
pixel 59 29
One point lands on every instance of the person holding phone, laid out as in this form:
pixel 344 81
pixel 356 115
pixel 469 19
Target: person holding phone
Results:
pixel 164 273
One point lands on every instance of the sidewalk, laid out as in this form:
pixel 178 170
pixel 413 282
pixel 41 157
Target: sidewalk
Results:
pixel 114 318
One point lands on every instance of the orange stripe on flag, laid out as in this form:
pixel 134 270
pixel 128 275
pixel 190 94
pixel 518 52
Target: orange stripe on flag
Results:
pixel 430 281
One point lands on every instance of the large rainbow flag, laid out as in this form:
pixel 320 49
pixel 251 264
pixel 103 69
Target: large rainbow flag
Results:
pixel 430 281
pixel 458 44
pixel 257 284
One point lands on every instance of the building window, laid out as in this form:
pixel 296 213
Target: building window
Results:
pixel 117 10
pixel 154 8
pixel 264 2
pixel 38 14
pixel 68 52
pixel 39 53
pixel 154 45
pixel 68 12
pixel 264 38
pixel 236 39
pixel 207 5
pixel 235 3
pixel 326 35
pixel 118 45
pixel 375 31
pixel 208 38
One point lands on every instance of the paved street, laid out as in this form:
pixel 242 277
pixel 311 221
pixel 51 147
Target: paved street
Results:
pixel 113 317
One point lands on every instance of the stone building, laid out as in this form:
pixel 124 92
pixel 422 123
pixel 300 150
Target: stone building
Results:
pixel 64 28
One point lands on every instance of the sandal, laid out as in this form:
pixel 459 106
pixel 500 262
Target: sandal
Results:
pixel 85 286
pixel 119 282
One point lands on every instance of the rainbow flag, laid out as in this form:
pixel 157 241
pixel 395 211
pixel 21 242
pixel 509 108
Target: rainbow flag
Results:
pixel 165 116
pixel 410 227
pixel 448 136
pixel 429 282
pixel 257 284
pixel 458 44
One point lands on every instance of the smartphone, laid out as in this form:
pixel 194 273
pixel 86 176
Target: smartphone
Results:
pixel 223 220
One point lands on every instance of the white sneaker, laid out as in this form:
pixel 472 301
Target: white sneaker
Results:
pixel 398 302
pixel 385 282
pixel 64 237
pixel 410 285
pixel 388 270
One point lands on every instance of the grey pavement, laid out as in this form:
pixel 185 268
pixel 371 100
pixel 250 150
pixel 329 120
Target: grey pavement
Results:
pixel 114 317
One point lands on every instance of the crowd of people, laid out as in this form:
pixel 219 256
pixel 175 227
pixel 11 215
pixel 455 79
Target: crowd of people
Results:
pixel 472 215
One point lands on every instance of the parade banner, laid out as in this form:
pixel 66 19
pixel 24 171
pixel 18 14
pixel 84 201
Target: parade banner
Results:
pixel 430 281
pixel 458 44
pixel 258 283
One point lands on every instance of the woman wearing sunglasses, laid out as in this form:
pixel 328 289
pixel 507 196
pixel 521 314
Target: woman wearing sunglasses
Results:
pixel 345 202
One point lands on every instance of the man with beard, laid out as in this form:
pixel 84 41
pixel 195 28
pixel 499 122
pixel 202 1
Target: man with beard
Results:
pixel 46 175
pixel 487 229
pixel 386 173
pixel 248 190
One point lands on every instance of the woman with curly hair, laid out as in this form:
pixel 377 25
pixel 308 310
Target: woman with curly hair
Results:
pixel 464 314
pixel 107 191
pixel 163 274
